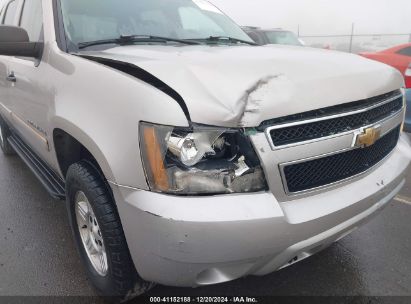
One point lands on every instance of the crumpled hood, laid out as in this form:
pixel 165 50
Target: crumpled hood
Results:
pixel 242 86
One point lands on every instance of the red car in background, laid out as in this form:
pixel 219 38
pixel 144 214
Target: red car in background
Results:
pixel 398 57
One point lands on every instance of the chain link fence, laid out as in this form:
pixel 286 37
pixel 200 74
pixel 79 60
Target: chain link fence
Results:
pixel 355 43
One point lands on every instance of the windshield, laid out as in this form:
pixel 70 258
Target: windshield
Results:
pixel 94 20
pixel 282 37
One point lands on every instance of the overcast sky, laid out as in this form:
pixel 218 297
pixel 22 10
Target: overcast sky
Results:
pixel 319 17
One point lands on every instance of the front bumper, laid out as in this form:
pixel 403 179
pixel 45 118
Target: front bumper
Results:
pixel 407 124
pixel 181 241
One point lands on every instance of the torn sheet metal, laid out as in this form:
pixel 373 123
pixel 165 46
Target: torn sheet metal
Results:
pixel 254 97
pixel 241 86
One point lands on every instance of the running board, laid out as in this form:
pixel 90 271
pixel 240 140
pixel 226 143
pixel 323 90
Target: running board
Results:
pixel 48 178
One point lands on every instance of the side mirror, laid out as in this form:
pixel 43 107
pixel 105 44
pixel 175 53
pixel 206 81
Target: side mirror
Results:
pixel 15 41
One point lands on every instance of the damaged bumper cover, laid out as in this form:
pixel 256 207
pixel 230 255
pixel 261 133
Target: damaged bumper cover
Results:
pixel 196 241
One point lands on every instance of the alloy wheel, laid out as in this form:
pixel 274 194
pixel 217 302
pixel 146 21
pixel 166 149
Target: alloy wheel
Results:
pixel 90 234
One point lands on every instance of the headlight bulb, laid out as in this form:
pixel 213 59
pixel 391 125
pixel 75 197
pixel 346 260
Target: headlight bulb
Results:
pixel 190 149
pixel 189 154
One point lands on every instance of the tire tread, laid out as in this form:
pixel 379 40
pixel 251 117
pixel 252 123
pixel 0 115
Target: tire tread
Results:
pixel 128 283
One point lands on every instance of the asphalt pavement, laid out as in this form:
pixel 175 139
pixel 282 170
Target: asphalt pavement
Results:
pixel 38 256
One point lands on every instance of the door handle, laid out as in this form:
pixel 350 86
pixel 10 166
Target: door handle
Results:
pixel 12 77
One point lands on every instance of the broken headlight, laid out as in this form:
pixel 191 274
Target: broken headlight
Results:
pixel 201 160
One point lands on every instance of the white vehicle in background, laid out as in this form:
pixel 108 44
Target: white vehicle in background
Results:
pixel 272 36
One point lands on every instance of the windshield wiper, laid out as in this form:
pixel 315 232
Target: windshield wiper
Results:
pixel 130 39
pixel 225 39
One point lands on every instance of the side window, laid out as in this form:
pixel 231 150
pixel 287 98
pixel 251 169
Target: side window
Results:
pixel 10 13
pixel 32 19
pixel 405 52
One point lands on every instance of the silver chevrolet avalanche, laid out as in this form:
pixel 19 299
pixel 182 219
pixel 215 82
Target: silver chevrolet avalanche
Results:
pixel 188 155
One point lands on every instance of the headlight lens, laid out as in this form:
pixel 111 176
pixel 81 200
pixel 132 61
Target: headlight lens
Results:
pixel 199 161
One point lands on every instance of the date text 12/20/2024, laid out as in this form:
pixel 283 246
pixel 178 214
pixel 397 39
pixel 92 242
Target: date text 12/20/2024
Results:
pixel 203 300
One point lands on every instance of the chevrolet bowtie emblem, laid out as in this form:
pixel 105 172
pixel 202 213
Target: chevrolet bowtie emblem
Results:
pixel 368 138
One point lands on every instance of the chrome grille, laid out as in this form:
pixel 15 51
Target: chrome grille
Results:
pixel 332 121
pixel 330 169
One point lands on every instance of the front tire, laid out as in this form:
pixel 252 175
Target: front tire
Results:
pixel 4 135
pixel 99 235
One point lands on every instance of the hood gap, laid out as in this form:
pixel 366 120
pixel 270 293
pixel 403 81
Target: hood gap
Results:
pixel 144 76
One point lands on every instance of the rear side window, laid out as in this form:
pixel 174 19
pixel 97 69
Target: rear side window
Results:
pixel 32 19
pixel 282 37
pixel 405 52
pixel 10 13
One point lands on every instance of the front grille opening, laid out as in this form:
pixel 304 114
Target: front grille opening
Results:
pixel 319 129
pixel 327 170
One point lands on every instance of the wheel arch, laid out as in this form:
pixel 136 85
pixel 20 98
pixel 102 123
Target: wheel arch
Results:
pixel 71 144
